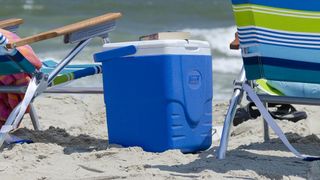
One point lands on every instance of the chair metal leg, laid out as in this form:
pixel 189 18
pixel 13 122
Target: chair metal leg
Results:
pixel 235 100
pixel 266 136
pixel 34 118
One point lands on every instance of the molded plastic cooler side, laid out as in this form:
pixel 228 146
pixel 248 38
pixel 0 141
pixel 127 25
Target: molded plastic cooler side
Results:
pixel 189 102
pixel 135 101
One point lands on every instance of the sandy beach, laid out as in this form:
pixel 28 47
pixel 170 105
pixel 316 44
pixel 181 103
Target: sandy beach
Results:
pixel 73 144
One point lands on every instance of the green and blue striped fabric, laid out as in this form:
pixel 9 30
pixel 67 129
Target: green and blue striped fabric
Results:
pixel 12 64
pixel 15 63
pixel 71 72
pixel 280 39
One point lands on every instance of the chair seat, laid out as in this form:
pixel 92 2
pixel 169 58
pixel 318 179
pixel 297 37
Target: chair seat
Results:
pixel 296 89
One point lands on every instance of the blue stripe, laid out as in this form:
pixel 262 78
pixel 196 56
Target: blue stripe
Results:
pixel 281 63
pixel 280 41
pixel 287 74
pixel 266 43
pixel 254 35
pixel 316 44
pixel 16 63
pixel 49 65
pixel 84 72
pixel 281 33
pixel 289 53
pixel 307 5
pixel 18 57
pixel 281 74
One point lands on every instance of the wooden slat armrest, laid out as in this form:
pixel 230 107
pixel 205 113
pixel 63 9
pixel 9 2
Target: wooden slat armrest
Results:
pixel 235 44
pixel 65 29
pixel 10 22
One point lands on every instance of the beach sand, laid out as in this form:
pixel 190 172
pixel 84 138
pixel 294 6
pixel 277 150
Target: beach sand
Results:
pixel 73 144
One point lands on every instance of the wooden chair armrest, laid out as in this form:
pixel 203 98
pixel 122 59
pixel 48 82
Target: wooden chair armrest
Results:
pixel 65 30
pixel 235 44
pixel 10 22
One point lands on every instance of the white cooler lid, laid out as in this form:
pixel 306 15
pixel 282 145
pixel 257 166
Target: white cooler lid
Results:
pixel 165 47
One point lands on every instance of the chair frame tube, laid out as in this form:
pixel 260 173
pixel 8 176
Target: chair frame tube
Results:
pixel 235 100
pixel 68 59
pixel 44 85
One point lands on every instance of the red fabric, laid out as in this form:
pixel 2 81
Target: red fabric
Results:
pixel 8 101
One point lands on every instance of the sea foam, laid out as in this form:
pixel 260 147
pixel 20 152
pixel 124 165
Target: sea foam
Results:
pixel 219 39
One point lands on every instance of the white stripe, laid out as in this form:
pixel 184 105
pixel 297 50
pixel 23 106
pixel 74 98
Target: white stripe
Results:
pixel 99 69
pixel 96 70
pixel 69 76
pixel 243 37
pixel 278 11
pixel 280 31
pixel 279 35
pixel 3 40
pixel 278 43
pixel 249 45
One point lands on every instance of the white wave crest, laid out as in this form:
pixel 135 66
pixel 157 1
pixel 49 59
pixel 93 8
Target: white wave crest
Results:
pixel 219 38
pixel 227 65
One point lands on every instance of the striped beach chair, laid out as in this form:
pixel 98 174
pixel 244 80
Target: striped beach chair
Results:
pixel 280 42
pixel 19 63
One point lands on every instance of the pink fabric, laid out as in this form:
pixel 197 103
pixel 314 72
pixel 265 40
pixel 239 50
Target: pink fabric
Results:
pixel 8 101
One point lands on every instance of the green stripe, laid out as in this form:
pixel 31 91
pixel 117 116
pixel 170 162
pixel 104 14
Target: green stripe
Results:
pixel 284 23
pixel 263 85
pixel 62 78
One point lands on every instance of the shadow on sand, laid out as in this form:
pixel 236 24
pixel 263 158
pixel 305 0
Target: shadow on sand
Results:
pixel 71 144
pixel 247 158
pixel 250 157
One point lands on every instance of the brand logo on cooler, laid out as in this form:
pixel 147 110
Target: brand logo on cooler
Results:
pixel 194 79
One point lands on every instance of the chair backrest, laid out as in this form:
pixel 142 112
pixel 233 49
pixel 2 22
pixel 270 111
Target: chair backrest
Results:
pixel 13 64
pixel 280 39
pixel 21 59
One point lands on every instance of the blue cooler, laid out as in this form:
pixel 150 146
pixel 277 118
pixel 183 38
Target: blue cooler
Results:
pixel 158 94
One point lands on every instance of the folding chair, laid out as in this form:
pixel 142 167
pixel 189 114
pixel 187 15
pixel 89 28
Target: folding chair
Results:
pixel 51 73
pixel 280 40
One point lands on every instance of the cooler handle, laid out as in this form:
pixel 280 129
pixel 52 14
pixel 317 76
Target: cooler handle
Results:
pixel 115 53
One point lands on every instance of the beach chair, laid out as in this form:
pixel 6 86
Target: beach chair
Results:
pixel 51 74
pixel 280 41
pixel 277 110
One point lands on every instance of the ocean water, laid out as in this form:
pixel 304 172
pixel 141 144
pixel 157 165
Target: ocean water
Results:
pixel 209 20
